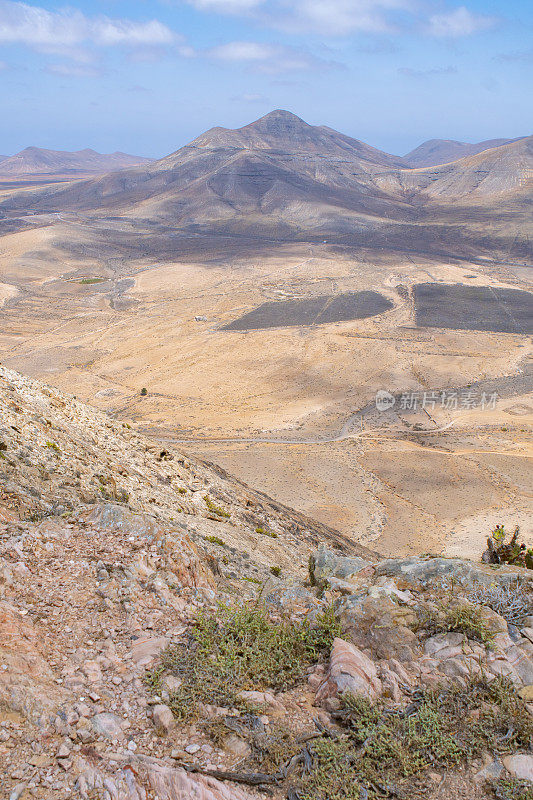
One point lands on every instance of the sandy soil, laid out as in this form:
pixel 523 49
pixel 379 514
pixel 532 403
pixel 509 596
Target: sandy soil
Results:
pixel 400 490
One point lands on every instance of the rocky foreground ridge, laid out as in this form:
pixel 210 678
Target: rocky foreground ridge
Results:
pixel 168 633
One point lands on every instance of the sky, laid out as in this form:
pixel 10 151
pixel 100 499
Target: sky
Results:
pixel 147 76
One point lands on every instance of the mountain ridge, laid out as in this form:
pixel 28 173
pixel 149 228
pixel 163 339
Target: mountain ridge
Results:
pixel 434 152
pixel 34 160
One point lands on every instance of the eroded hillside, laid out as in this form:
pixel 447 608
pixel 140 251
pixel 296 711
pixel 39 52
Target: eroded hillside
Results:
pixel 168 633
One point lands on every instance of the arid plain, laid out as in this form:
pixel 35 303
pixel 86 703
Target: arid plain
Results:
pixel 104 304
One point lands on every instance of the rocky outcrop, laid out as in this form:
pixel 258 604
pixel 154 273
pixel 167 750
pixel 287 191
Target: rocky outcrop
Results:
pixel 419 572
pixel 27 683
pixel 141 778
pixel 327 568
pixel 178 555
pixel 350 671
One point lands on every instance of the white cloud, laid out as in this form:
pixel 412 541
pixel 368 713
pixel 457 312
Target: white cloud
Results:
pixel 269 59
pixel 329 17
pixel 344 17
pixel 409 72
pixel 63 31
pixel 250 98
pixel 244 51
pixel 226 6
pixel 340 17
pixel 460 22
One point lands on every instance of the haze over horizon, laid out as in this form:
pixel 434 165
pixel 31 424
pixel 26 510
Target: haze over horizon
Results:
pixel 389 72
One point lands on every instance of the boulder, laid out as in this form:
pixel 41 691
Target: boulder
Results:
pixel 329 568
pixel 163 719
pixel 147 648
pixel 520 765
pixel 380 623
pixel 108 725
pixel 292 598
pixel 350 671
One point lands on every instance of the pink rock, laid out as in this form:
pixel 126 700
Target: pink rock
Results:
pixel 350 671
pixel 520 766
pixel 176 784
pixel 27 683
pixel 146 649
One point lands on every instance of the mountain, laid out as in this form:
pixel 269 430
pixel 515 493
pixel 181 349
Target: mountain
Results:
pixel 498 171
pixel 282 178
pixel 283 132
pixel 37 161
pixel 278 165
pixel 442 151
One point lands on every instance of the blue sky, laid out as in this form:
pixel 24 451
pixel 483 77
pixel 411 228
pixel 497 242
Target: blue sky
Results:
pixel 146 77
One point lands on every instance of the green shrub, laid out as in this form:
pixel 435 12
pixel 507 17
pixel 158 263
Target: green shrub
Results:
pixel 457 618
pixel 275 571
pixel 220 512
pixel 240 649
pixel 513 789
pixel 215 540
pixel 386 751
pixel 265 532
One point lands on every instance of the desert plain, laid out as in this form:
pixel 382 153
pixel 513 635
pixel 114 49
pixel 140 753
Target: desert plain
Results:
pixel 288 409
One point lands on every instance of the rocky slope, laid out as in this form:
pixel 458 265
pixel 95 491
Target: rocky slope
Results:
pixel 110 547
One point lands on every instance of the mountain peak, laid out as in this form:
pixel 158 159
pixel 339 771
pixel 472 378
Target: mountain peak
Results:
pixel 278 121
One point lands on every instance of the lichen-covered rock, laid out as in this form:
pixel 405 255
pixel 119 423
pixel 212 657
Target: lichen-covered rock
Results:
pixel 379 622
pixel 292 598
pixel 179 555
pixel 339 572
pixel 350 671
pixel 417 571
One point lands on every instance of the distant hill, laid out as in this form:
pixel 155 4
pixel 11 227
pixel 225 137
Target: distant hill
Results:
pixel 442 151
pixel 503 169
pixel 37 161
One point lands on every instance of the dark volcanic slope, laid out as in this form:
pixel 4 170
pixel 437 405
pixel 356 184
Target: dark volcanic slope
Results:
pixel 312 311
pixel 442 151
pixel 36 161
pixel 473 308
